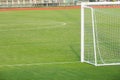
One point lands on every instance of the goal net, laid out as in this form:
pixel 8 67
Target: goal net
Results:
pixel 100 33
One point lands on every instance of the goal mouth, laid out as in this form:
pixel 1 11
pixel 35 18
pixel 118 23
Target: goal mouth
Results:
pixel 100 31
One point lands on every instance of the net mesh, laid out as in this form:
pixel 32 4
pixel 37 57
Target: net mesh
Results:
pixel 107 34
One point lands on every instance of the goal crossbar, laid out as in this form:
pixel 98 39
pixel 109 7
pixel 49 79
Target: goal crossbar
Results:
pixel 99 3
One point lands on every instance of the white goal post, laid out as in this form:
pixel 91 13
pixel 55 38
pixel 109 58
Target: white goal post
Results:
pixel 100 33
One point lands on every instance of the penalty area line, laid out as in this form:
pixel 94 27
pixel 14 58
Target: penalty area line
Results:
pixel 55 25
pixel 37 64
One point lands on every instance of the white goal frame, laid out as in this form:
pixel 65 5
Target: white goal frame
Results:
pixel 84 5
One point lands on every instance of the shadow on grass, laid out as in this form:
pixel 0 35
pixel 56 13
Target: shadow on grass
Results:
pixel 76 50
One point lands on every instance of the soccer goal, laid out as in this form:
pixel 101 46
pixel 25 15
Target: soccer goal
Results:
pixel 100 33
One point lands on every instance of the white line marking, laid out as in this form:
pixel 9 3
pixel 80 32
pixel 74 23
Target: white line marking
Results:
pixel 55 25
pixel 35 64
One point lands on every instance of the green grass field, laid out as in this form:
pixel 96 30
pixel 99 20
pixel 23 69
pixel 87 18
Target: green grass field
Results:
pixel 45 45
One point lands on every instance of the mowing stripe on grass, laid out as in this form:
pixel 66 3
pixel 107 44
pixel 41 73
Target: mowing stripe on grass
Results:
pixel 35 64
pixel 58 24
